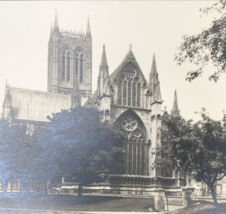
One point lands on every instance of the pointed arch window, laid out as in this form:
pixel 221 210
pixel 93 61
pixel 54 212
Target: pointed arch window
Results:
pixel 76 65
pixel 129 92
pixel 81 68
pixel 124 92
pixel 63 65
pixel 134 95
pixel 120 93
pixel 68 66
pixel 138 95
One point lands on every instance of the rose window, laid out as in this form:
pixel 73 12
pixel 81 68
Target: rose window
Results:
pixel 130 72
pixel 129 124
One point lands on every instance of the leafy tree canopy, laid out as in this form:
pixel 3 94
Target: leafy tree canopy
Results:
pixel 76 144
pixel 208 46
pixel 196 148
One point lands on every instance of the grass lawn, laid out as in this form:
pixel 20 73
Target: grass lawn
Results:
pixel 71 203
pixel 200 207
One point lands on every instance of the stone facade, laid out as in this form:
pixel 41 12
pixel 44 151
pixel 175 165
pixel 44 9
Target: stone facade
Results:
pixel 131 103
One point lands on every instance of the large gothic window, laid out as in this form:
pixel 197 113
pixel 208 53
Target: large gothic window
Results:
pixel 68 66
pixel 81 68
pixel 135 145
pixel 129 87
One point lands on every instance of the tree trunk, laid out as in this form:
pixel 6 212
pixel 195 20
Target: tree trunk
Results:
pixel 214 198
pixel 79 190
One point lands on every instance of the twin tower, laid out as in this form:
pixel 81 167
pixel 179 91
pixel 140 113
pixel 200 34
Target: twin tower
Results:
pixel 70 62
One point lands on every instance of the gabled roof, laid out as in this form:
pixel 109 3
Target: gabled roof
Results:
pixel 129 57
pixel 36 105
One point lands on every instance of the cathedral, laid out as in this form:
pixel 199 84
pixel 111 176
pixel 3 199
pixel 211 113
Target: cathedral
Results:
pixel 125 98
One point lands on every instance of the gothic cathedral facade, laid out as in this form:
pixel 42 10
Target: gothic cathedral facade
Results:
pixel 125 98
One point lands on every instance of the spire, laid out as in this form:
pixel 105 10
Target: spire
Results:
pixel 154 81
pixel 56 25
pixel 88 31
pixel 175 111
pixel 104 63
pixel 103 83
pixel 153 68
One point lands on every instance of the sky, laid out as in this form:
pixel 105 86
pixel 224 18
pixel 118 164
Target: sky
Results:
pixel 150 26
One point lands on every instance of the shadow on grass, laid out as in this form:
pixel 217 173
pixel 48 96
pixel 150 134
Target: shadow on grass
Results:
pixel 72 203
pixel 200 207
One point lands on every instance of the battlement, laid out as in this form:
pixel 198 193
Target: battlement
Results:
pixel 74 34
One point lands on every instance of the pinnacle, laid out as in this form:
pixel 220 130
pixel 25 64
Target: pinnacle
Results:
pixel 153 68
pixel 104 58
pixel 175 110
pixel 56 25
pixel 88 31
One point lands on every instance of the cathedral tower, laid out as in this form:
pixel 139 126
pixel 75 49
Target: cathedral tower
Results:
pixel 70 55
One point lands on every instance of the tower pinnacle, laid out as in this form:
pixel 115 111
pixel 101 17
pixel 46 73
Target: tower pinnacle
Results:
pixel 88 31
pixel 154 81
pixel 175 111
pixel 103 83
pixel 104 64
pixel 56 25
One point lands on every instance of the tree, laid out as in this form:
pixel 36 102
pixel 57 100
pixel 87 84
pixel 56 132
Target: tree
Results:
pixel 197 148
pixel 75 144
pixel 208 46
pixel 15 153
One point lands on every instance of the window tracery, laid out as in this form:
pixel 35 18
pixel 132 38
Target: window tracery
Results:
pixel 135 147
pixel 129 87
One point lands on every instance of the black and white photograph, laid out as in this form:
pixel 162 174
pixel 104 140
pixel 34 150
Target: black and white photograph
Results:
pixel 113 107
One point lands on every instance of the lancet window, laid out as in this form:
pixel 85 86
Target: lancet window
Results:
pixel 63 65
pixel 68 66
pixel 81 68
pixel 129 87
pixel 76 64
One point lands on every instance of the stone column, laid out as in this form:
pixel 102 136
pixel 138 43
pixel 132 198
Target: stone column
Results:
pixel 188 195
pixel 159 199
